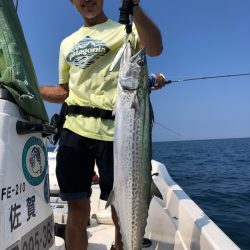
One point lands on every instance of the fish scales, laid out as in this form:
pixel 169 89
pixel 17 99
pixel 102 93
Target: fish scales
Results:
pixel 132 149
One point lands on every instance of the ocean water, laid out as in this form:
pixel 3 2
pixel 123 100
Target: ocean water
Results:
pixel 216 175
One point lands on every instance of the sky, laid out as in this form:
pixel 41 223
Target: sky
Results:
pixel 200 38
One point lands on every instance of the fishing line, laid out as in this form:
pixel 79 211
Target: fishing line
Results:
pixel 161 125
pixel 206 77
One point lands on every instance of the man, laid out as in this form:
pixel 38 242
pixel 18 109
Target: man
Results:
pixel 85 80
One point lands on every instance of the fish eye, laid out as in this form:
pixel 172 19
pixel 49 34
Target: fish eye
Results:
pixel 140 62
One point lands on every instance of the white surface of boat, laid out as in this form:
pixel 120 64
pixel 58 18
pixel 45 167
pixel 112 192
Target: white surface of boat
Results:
pixel 174 223
pixel 26 217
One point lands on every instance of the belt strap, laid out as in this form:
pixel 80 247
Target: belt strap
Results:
pixel 89 112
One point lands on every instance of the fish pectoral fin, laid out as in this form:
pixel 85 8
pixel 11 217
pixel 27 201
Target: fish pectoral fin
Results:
pixel 155 191
pixel 110 199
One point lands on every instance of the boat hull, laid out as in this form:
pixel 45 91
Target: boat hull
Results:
pixel 25 212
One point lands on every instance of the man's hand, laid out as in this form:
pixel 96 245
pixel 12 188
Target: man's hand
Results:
pixel 160 82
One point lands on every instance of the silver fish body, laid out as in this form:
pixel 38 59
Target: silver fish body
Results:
pixel 132 149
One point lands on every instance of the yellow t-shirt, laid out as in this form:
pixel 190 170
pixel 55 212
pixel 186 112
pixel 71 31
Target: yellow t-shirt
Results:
pixel 84 62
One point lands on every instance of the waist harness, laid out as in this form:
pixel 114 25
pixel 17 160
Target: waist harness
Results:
pixel 58 120
pixel 89 112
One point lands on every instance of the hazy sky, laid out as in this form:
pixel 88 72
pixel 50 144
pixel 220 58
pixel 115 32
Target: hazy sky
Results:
pixel 201 38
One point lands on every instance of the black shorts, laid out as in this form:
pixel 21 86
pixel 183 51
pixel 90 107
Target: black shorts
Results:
pixel 76 158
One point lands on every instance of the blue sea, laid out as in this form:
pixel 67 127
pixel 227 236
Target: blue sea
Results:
pixel 216 175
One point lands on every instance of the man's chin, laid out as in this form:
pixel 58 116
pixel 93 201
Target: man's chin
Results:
pixel 90 16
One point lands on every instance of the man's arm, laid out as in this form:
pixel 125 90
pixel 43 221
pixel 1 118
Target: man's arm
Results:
pixel 55 94
pixel 149 34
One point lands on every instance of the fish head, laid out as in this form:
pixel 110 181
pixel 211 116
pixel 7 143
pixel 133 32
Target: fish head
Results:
pixel 133 69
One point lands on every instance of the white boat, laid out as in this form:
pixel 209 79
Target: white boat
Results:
pixel 26 217
pixel 174 222
pixel 26 212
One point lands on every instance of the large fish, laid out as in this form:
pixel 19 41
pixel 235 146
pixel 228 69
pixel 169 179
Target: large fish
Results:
pixel 132 149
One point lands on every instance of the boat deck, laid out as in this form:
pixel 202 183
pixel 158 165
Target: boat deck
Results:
pixel 101 231
pixel 101 236
pixel 175 222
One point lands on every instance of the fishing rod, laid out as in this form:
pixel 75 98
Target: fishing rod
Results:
pixel 206 77
pixel 152 78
